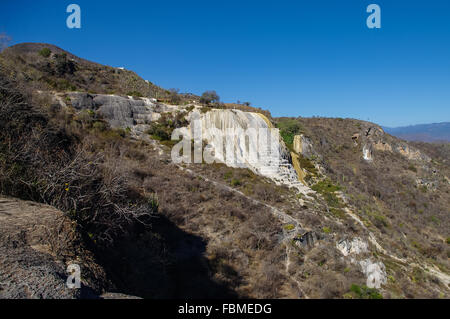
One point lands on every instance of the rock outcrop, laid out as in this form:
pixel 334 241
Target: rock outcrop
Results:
pixel 373 138
pixel 303 145
pixel 355 246
pixel 263 151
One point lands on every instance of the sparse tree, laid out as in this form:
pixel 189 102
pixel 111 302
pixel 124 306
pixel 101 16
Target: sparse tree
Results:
pixel 209 97
pixel 45 52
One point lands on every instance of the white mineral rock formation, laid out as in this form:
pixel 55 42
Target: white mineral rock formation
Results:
pixel 260 150
pixel 356 246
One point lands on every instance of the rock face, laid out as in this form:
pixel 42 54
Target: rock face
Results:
pixel 117 110
pixel 272 159
pixel 303 145
pixel 309 239
pixel 37 243
pixel 356 246
pixel 261 151
pixel 375 271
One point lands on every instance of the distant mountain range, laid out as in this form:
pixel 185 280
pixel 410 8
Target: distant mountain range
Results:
pixel 436 132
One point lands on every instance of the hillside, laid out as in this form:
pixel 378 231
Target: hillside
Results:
pixel 351 211
pixel 437 132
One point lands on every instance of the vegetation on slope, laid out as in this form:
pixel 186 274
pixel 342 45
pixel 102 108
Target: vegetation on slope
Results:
pixel 216 237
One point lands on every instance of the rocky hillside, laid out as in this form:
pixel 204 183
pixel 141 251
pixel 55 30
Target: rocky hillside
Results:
pixel 351 212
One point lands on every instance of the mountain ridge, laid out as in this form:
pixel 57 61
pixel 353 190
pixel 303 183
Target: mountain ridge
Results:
pixel 433 132
pixel 375 223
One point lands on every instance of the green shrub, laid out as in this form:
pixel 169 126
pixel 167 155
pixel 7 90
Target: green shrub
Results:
pixel 337 212
pixel 364 292
pixel 379 220
pixel 45 52
pixel 163 128
pixel 61 85
pixel 63 65
pixel 205 109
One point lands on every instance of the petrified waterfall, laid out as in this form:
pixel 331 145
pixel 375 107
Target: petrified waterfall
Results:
pixel 246 140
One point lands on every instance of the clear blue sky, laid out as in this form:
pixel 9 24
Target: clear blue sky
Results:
pixel 297 58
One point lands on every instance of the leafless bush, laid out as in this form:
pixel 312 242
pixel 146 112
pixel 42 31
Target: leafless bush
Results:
pixel 39 161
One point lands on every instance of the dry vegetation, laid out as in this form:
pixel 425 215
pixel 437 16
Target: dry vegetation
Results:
pixel 47 67
pixel 160 231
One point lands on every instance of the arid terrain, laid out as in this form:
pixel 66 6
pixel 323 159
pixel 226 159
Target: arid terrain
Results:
pixel 86 177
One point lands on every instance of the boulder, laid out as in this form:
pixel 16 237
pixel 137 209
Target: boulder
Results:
pixel 37 243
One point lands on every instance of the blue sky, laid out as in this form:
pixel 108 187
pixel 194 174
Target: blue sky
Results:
pixel 295 58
